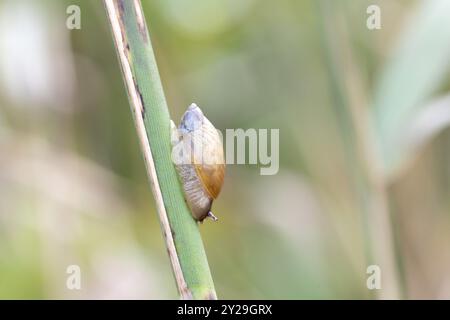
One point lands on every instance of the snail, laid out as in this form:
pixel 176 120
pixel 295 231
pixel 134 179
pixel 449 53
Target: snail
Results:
pixel 199 160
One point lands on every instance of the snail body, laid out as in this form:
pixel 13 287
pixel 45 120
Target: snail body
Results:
pixel 199 160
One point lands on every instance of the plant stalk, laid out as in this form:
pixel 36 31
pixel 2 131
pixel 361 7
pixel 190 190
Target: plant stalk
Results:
pixel 152 121
pixel 364 169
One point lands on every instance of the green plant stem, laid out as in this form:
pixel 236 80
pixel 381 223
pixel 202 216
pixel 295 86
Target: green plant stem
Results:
pixel 360 150
pixel 152 120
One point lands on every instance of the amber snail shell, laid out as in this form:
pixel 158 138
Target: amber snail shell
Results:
pixel 202 168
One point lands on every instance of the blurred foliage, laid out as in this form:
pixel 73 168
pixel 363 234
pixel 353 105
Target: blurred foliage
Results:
pixel 73 186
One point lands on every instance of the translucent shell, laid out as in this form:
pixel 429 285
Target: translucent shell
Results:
pixel 202 170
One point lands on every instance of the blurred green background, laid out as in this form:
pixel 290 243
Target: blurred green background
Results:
pixel 364 148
